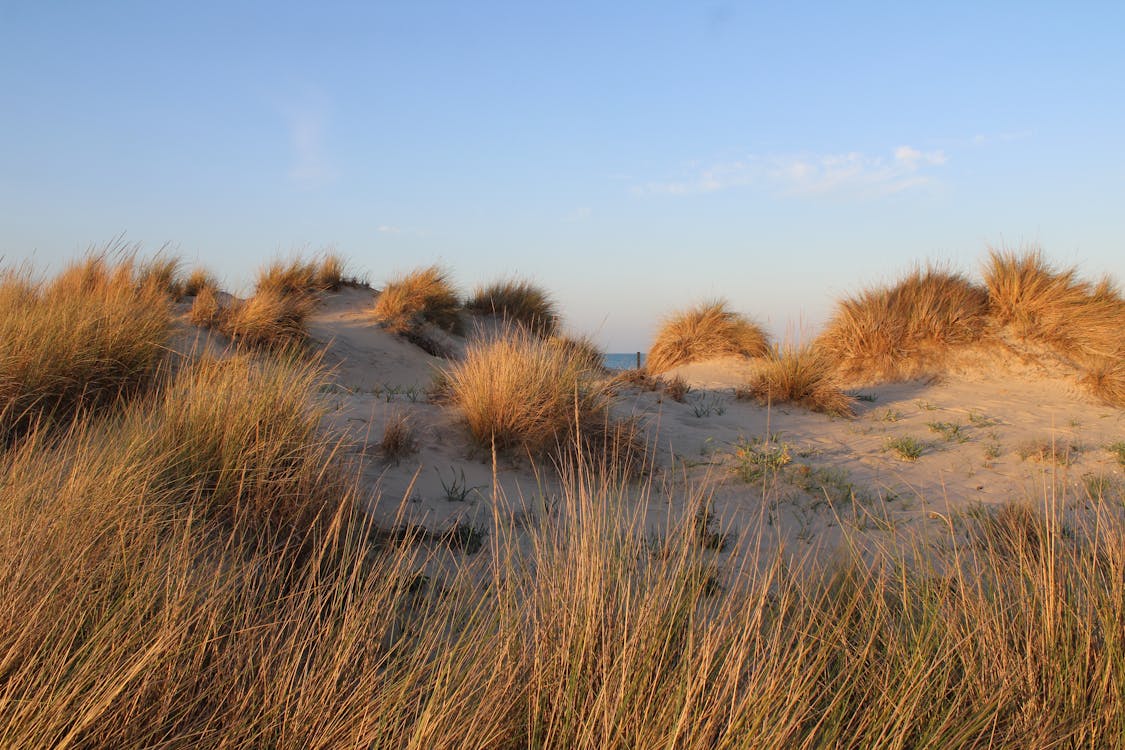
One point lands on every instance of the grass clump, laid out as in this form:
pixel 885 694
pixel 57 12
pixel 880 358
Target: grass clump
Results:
pixel 702 332
pixel 422 296
pixel 398 439
pixel 1117 450
pixel 902 330
pixel 517 302
pixel 93 334
pixel 197 281
pixel 271 319
pixel 1082 321
pixel 799 375
pixel 522 393
pixel 907 448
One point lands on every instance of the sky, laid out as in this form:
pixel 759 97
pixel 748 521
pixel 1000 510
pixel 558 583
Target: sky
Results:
pixel 633 158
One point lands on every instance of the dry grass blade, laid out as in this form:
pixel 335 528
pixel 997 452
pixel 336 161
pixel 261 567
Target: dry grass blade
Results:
pixel 703 332
pixel 198 280
pixel 398 439
pixel 517 302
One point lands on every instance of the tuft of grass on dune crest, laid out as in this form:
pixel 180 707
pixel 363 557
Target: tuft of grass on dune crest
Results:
pixel 422 296
pixel 1082 321
pixel 530 395
pixel 900 331
pixel 198 280
pixel 517 302
pixel 801 375
pixel 271 319
pixel 92 334
pixel 702 332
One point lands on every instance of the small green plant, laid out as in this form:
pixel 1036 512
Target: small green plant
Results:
pixel 457 489
pixel 889 415
pixel 992 451
pixel 906 447
pixel 756 456
pixel 706 532
pixel 926 405
pixel 951 431
pixel 709 405
pixel 1117 450
pixel 830 482
pixel 869 398
pixel 1060 452
pixel 982 420
pixel 1098 486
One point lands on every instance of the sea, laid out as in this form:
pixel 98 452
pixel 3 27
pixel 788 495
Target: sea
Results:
pixel 622 360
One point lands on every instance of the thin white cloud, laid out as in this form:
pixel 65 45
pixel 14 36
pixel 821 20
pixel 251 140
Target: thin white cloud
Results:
pixel 388 229
pixel 852 173
pixel 310 164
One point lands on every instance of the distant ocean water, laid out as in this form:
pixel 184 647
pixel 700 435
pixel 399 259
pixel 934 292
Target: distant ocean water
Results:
pixel 622 361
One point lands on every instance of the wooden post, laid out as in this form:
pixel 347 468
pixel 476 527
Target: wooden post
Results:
pixel 638 360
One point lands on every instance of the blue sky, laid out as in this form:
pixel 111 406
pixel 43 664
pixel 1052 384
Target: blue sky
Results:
pixel 631 157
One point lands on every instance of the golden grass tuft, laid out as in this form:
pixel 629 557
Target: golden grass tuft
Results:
pixel 1082 321
pixel 800 375
pixel 206 312
pixel 901 331
pixel 271 319
pixel 163 273
pixel 702 332
pixel 422 296
pixel 94 333
pixel 288 277
pixel 517 302
pixel 520 392
pixel 398 439
pixel 198 280
pixel 241 434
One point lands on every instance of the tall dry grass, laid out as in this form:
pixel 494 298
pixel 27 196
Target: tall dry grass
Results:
pixel 91 335
pixel 517 302
pixel 702 332
pixel 423 296
pixel 800 375
pixel 130 622
pixel 906 329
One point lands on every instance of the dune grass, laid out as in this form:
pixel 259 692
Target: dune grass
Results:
pixel 422 296
pixel 130 622
pixel 517 302
pixel 270 319
pixel 93 334
pixel 1082 321
pixel 702 332
pixel 521 393
pixel 199 280
pixel 901 331
pixel 800 375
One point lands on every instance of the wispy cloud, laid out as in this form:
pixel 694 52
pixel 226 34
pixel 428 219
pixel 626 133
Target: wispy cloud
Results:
pixel 310 164
pixel 852 173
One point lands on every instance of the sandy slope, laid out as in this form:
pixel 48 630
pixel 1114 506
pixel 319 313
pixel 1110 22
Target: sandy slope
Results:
pixel 1001 415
